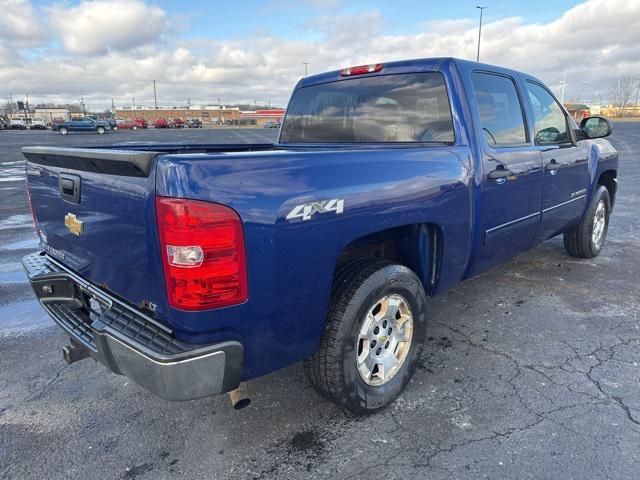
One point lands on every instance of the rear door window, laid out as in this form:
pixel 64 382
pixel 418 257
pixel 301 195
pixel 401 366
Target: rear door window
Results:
pixel 500 110
pixel 399 108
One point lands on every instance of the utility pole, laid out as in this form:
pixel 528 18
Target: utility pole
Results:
pixel 479 31
pixel 133 103
pixel 219 104
pixel 306 69
pixel 155 96
pixel 84 113
pixel 113 106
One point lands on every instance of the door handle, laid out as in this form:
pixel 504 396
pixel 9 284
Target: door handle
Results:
pixel 500 173
pixel 552 165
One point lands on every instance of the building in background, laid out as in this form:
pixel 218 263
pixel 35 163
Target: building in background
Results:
pixel 208 115
pixel 578 110
pixel 51 114
pixel 46 114
pixel 260 117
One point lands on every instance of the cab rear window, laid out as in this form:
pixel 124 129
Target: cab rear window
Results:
pixel 402 108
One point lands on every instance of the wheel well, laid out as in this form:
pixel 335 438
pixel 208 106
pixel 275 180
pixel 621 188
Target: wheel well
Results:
pixel 417 246
pixel 608 180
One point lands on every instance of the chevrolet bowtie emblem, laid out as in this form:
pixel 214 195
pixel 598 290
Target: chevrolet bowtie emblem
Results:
pixel 73 224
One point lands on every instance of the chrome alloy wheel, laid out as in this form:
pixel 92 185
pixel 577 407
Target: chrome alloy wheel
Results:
pixel 384 340
pixel 599 224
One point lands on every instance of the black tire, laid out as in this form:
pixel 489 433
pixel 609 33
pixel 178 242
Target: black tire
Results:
pixel 333 370
pixel 579 241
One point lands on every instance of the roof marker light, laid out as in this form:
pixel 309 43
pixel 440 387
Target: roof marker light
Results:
pixel 361 69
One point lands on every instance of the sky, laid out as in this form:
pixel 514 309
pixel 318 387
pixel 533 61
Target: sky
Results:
pixel 253 51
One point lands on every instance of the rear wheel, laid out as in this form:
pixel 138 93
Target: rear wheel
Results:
pixel 134 128
pixel 100 130
pixel 63 131
pixel 373 338
pixel 587 238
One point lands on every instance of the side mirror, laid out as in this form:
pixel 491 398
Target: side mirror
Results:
pixel 595 127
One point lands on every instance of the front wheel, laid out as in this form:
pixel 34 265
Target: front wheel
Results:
pixel 63 131
pixel 587 238
pixel 100 130
pixel 134 128
pixel 373 338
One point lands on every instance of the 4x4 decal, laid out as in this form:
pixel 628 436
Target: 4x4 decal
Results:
pixel 306 211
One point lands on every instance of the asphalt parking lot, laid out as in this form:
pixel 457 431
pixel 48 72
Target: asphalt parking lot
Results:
pixel 530 371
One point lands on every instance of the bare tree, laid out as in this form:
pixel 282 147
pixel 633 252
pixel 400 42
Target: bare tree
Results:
pixel 622 92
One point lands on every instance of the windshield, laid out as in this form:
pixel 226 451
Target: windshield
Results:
pixel 411 107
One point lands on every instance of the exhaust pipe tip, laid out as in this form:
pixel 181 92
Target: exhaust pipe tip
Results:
pixel 239 397
pixel 74 352
pixel 66 354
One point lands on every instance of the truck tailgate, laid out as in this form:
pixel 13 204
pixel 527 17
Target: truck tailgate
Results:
pixel 94 211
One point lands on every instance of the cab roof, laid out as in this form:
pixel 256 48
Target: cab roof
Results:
pixel 434 64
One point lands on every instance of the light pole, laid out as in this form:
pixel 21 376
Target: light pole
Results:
pixel 564 84
pixel 635 104
pixel 479 31
pixel 306 70
pixel 155 97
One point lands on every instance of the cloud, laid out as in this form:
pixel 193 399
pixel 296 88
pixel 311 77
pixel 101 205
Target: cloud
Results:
pixel 20 25
pixel 99 26
pixel 594 41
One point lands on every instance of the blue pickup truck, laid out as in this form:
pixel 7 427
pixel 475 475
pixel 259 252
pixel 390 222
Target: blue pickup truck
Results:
pixel 191 268
pixel 84 124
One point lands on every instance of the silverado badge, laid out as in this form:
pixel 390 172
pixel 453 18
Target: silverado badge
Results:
pixel 73 224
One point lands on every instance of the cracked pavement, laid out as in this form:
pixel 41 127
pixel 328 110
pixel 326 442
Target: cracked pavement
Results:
pixel 530 371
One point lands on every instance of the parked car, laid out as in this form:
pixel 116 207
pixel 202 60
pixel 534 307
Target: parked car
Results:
pixel 271 125
pixel 194 123
pixel 84 124
pixel 142 123
pixel 17 124
pixel 177 123
pixel 3 123
pixel 111 122
pixel 127 125
pixel 161 123
pixel 38 124
pixel 390 183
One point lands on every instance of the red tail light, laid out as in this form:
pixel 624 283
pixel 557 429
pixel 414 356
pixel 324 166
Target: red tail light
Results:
pixel 203 254
pixel 361 69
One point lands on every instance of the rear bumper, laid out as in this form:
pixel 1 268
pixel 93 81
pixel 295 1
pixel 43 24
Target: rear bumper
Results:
pixel 129 342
